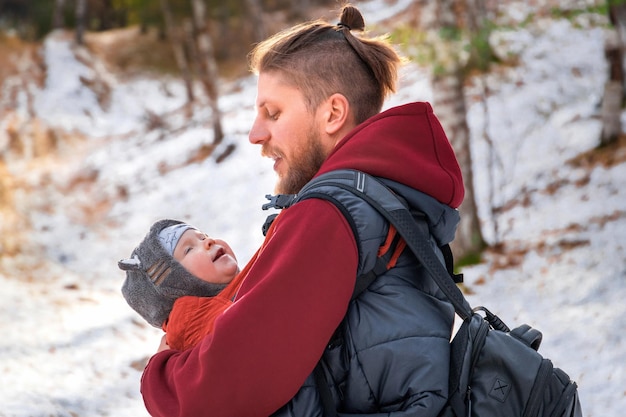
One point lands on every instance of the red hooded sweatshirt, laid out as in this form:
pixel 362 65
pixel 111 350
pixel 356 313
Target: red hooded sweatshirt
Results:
pixel 297 287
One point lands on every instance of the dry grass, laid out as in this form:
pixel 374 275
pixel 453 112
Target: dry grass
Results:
pixel 130 52
pixel 14 55
pixel 607 156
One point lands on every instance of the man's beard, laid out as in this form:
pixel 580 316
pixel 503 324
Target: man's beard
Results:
pixel 304 165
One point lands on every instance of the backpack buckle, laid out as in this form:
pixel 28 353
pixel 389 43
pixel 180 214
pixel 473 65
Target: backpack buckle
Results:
pixel 279 201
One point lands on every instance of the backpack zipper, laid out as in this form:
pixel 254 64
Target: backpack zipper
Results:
pixel 566 399
pixel 478 344
pixel 536 393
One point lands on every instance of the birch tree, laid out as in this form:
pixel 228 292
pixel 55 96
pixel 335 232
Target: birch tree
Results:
pixel 614 87
pixel 58 20
pixel 209 75
pixel 175 38
pixel 448 25
pixel 255 17
pixel 81 17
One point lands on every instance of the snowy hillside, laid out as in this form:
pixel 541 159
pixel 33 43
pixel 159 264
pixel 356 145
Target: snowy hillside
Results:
pixel 71 345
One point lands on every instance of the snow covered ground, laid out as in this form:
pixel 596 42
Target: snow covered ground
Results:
pixel 72 347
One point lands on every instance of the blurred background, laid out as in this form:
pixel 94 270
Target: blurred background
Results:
pixel 116 113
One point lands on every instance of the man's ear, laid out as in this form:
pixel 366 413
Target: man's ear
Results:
pixel 337 113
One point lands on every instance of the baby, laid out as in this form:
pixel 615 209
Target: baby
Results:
pixel 181 280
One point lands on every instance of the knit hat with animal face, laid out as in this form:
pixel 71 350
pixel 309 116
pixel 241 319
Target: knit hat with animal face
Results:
pixel 154 279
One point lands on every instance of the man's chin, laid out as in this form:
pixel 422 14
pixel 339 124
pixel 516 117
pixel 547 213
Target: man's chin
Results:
pixel 280 187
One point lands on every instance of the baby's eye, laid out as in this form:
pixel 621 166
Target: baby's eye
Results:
pixel 187 250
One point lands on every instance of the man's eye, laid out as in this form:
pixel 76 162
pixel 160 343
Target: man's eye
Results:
pixel 273 116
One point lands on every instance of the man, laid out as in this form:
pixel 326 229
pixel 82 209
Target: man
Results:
pixel 320 91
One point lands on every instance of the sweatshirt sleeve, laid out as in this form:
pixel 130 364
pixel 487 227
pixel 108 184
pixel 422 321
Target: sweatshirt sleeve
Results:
pixel 265 345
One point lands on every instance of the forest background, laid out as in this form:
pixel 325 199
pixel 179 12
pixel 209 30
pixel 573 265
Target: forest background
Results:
pixel 116 113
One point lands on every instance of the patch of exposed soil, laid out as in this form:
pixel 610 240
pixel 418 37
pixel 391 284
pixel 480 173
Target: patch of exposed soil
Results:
pixel 607 156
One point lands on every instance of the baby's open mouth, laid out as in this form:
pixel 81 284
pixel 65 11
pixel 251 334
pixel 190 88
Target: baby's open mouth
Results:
pixel 220 252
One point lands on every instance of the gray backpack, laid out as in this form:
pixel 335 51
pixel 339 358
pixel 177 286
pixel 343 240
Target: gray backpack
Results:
pixel 494 371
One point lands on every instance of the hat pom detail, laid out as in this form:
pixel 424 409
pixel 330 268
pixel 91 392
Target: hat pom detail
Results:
pixel 129 264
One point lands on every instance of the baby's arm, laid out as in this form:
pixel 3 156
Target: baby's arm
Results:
pixel 163 346
pixel 191 319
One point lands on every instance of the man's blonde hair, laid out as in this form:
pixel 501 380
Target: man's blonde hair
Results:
pixel 321 59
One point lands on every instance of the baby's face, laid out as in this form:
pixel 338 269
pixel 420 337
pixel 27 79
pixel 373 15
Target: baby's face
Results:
pixel 209 259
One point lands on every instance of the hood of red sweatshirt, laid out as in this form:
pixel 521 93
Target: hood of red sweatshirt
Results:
pixel 405 144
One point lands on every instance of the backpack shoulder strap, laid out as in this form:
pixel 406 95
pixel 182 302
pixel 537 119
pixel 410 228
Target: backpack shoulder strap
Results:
pixel 385 257
pixel 390 206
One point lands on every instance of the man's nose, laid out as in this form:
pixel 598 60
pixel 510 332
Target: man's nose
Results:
pixel 258 134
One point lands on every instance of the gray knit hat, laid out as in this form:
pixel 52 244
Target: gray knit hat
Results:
pixel 154 279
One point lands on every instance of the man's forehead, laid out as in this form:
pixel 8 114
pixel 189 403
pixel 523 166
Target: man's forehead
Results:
pixel 272 87
pixel 266 86
pixel 272 80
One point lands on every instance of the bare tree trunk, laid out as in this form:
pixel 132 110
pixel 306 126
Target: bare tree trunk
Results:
pixel 58 21
pixel 107 15
pixel 614 87
pixel 450 106
pixel 494 163
pixel 143 19
pixel 209 75
pixel 255 15
pixel 81 16
pixel 611 112
pixel 177 47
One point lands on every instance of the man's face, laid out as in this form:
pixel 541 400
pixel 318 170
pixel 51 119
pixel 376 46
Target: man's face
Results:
pixel 288 133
